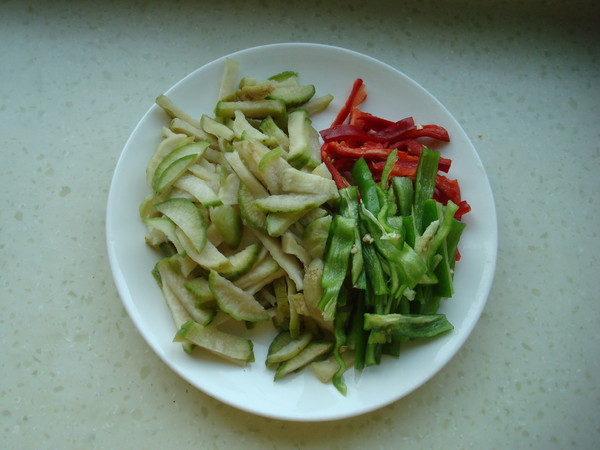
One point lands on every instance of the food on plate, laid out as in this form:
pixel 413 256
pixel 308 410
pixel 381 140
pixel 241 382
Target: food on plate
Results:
pixel 345 240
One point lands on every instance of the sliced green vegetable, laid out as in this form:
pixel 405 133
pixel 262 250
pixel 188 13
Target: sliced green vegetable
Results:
pixel 292 95
pixel 199 189
pixel 308 354
pixel 175 282
pixel 234 301
pixel 226 345
pixel 242 262
pixel 271 129
pixel 304 149
pixel 252 215
pixel 188 217
pixel 253 109
pixel 424 184
pixel 285 347
pixel 404 193
pixel 337 256
pixel 228 222
pixel 291 202
pixel 412 326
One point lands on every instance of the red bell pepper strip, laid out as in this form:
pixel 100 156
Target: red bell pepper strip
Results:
pixel 448 189
pixel 457 257
pixel 412 145
pixel 400 169
pixel 346 132
pixel 340 181
pixel 342 150
pixel 463 208
pixel 395 131
pixel 356 97
pixel 368 122
pixel 431 131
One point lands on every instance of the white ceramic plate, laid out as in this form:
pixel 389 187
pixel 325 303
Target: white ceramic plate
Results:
pixel 392 95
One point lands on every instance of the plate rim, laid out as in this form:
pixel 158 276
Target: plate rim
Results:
pixel 122 285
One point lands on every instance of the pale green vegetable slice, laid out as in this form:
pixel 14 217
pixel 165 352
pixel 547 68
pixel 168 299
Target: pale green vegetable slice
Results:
pixel 270 156
pixel 298 181
pixel 291 245
pixel 271 129
pixel 278 223
pixel 180 126
pixel 176 282
pixel 159 230
pixel 252 153
pixel 314 237
pixel 173 110
pixel 228 191
pixel 169 176
pixel 261 283
pixel 188 217
pixel 307 355
pixel 166 146
pixel 285 347
pixel 228 221
pixel 293 95
pixel 317 104
pixel 179 313
pixel 325 370
pixel 199 189
pixel 211 126
pixel 208 171
pixel 195 148
pixel 265 270
pixel 311 215
pixel 209 258
pixel 304 147
pixel 291 202
pixel 289 263
pixel 234 301
pixel 183 263
pixel 254 109
pixel 228 79
pixel 255 188
pixel 200 289
pixel 226 345
pixel 242 262
pixel 243 129
pixel 254 217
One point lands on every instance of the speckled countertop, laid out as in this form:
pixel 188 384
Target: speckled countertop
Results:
pixel 522 79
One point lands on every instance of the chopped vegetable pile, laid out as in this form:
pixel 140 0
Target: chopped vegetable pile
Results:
pixel 346 240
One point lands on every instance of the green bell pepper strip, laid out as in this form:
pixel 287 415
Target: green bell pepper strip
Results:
pixel 337 256
pixel 375 276
pixel 403 259
pixel 425 302
pixel 404 193
pixel 348 206
pixel 410 232
pixel 452 240
pixel 340 322
pixel 446 219
pixel 387 168
pixel 367 187
pixel 356 338
pixel 411 326
pixel 424 184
